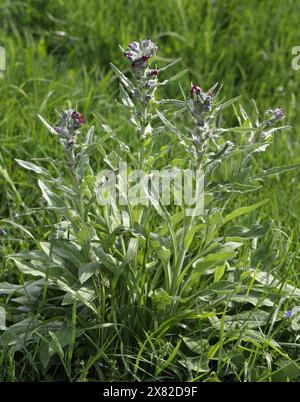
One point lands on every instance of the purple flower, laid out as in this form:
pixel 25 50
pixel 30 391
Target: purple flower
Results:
pixel 133 46
pixel 129 55
pixel 279 113
pixel 273 116
pixel 288 314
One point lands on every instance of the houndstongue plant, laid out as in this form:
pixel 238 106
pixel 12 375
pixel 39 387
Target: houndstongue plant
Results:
pixel 133 292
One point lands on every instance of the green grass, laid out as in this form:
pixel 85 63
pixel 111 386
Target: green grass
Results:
pixel 58 54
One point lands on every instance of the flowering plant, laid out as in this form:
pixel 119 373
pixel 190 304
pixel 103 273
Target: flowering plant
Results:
pixel 151 293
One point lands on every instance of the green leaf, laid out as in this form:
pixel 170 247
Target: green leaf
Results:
pixel 267 279
pixel 26 269
pixel 254 298
pixel 86 271
pixel 243 210
pixel 219 256
pixel 167 362
pixel 219 272
pixel 175 77
pixel 168 124
pixel 20 227
pixel 33 167
pixel 245 233
pixel 289 371
pixel 20 333
pixel 47 125
pixel 2 59
pixel 89 135
pixel 83 164
pixel 197 364
pixel 212 260
pixel 82 295
pixel 251 319
pixel 7 288
pixel 55 346
pixel 197 346
pixel 128 84
pixel 164 255
pixel 191 234
pixel 161 299
pixel 66 252
pixel 169 65
pixel 72 338
pixel 275 170
pixel 126 98
pixel 51 198
pixel 228 103
pixel 44 354
pixel 107 260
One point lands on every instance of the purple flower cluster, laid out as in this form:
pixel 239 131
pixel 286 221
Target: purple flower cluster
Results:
pixel 200 103
pixel 70 120
pixel 140 52
pixel 273 116
pixel 78 119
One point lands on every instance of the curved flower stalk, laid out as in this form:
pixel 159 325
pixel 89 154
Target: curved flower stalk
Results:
pixel 138 93
pixel 68 130
pixel 139 54
pixel 200 105
pixel 78 163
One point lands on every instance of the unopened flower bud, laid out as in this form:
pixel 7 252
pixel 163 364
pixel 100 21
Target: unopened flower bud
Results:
pixel 195 90
pixel 148 98
pixel 78 119
pixel 152 73
pixel 200 104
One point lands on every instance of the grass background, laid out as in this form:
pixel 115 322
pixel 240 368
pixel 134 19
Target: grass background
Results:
pixel 58 53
